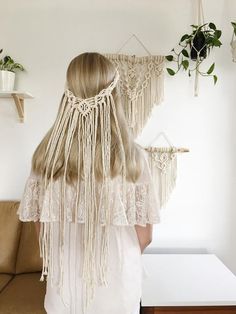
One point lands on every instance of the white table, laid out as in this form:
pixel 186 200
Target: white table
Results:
pixel 184 280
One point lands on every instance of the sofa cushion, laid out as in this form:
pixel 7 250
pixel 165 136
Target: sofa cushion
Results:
pixel 10 228
pixel 28 259
pixel 23 295
pixel 4 279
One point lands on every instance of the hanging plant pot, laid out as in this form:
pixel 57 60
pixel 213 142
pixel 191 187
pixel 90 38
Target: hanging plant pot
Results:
pixel 193 49
pixel 7 81
pixel 198 46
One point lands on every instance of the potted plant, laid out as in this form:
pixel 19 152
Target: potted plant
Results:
pixel 233 42
pixel 196 47
pixel 7 72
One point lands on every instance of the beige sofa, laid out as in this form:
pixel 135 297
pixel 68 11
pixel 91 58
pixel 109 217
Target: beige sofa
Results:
pixel 21 292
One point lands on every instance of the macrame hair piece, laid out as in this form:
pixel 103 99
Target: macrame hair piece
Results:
pixel 86 115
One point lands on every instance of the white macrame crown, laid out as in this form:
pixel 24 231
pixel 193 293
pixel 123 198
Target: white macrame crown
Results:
pixel 85 105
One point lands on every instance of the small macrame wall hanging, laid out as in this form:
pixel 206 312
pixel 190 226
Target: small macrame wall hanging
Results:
pixel 141 84
pixel 163 164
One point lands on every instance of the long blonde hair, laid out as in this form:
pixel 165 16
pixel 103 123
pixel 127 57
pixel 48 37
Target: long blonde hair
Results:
pixel 87 75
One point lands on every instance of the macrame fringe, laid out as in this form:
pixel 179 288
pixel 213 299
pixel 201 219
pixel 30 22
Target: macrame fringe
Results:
pixel 83 115
pixel 163 164
pixel 141 86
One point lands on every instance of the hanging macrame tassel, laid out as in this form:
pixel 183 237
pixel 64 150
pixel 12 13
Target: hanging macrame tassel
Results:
pixel 168 176
pixel 196 82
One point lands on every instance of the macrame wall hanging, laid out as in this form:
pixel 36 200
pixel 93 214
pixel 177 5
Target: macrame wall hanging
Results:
pixel 141 84
pixel 163 164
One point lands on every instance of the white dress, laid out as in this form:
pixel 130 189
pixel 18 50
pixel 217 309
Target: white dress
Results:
pixel 125 269
pixel 124 291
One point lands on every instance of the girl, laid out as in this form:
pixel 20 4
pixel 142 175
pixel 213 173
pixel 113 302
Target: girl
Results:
pixel 91 196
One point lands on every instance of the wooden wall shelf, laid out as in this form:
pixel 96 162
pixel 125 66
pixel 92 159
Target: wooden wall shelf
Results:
pixel 19 98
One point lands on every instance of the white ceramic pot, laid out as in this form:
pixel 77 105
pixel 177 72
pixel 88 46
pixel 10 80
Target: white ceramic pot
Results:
pixel 233 50
pixel 7 81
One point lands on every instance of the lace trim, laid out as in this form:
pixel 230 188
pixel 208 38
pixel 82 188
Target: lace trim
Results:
pixel 142 205
pixel 28 209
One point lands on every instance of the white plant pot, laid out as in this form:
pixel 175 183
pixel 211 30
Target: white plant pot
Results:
pixel 233 50
pixel 7 81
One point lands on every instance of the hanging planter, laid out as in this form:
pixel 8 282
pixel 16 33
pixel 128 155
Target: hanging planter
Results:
pixel 233 42
pixel 198 46
pixel 8 67
pixel 195 47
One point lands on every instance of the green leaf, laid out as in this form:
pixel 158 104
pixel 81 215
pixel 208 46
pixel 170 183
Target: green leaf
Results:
pixel 194 26
pixel 185 53
pixel 18 66
pixel 212 26
pixel 170 71
pixel 184 37
pixel 211 69
pixel 218 33
pixel 201 26
pixel 216 42
pixel 169 58
pixel 7 59
pixel 185 64
pixel 215 79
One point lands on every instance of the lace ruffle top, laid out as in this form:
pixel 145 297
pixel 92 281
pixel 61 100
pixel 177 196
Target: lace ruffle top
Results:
pixel 142 202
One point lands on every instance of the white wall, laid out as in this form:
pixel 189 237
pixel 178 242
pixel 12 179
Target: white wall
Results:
pixel 44 36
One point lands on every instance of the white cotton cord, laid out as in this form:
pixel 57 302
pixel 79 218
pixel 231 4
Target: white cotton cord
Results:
pixel 51 254
pixel 200 21
pixel 44 246
pixel 58 122
pixel 55 142
pixel 68 144
pixel 120 248
pixel 41 249
pixel 138 40
pixel 69 269
pixel 78 170
pixel 76 270
pixel 56 154
pixel 122 153
pixel 141 86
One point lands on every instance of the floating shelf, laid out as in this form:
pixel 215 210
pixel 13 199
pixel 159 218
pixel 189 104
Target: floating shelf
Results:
pixel 19 98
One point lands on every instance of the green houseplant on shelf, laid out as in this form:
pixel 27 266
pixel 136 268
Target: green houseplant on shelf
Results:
pixel 8 67
pixel 233 42
pixel 193 49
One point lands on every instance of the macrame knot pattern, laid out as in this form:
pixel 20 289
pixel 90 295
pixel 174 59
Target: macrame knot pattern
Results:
pixel 163 163
pixel 141 86
pixel 163 158
pixel 85 106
